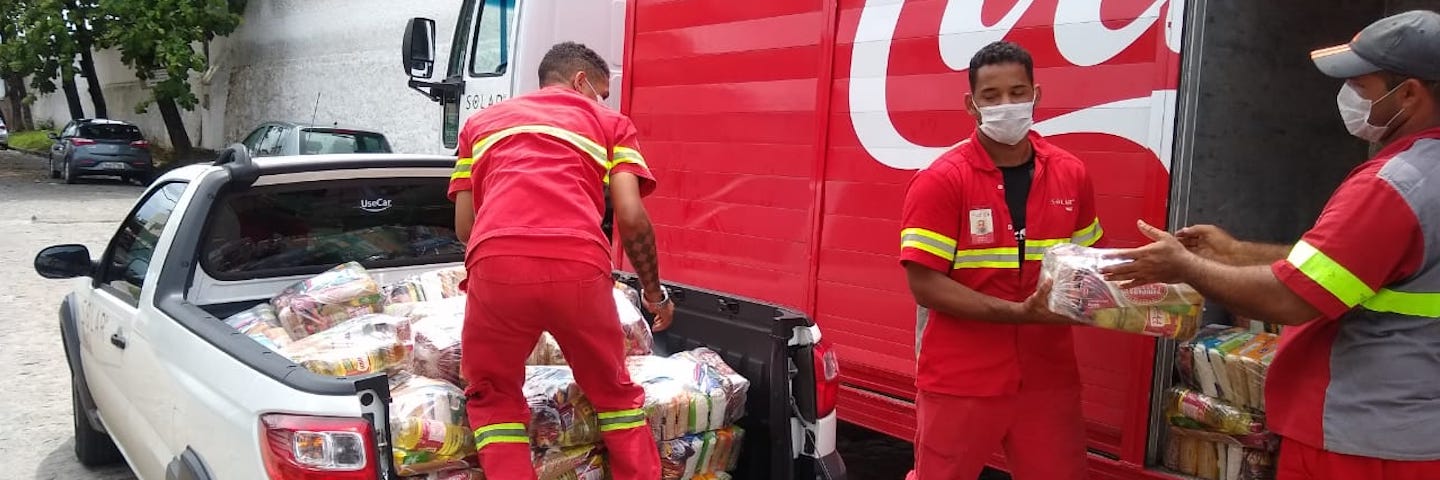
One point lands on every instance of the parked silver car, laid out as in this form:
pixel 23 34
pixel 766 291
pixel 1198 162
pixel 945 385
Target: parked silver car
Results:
pixel 4 135
pixel 289 138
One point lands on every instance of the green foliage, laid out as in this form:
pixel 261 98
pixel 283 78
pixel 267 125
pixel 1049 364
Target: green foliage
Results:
pixel 159 40
pixel 40 38
pixel 34 140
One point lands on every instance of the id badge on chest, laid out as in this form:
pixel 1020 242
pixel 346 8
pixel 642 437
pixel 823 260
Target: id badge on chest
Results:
pixel 982 226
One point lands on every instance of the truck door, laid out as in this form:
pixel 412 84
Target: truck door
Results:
pixel 480 54
pixel 137 409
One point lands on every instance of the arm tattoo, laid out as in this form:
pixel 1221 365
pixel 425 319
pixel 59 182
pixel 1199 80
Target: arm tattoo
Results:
pixel 640 248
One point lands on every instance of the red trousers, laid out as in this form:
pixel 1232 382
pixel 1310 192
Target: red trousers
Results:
pixel 1299 461
pixel 512 299
pixel 1042 433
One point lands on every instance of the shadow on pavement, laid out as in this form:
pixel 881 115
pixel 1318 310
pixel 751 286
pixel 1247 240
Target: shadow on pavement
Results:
pixel 870 455
pixel 60 464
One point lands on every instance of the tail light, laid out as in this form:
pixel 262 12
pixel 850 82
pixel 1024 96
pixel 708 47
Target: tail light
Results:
pixel 77 141
pixel 827 378
pixel 304 448
pixel 140 144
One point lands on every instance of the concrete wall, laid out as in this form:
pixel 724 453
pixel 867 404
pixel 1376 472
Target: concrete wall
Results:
pixel 273 67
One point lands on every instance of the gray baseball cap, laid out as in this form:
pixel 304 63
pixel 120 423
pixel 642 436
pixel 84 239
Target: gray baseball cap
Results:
pixel 1406 43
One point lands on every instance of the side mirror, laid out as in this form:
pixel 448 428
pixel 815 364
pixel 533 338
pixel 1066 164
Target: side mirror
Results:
pixel 418 47
pixel 64 261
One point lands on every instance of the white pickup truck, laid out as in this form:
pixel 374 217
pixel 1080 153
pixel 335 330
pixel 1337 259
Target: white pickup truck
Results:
pixel 161 382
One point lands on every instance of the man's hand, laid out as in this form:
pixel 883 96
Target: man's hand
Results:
pixel 1164 261
pixel 1210 242
pixel 664 312
pixel 1036 309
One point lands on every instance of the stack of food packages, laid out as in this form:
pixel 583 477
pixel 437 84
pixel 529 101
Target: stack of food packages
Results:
pixel 1217 418
pixel 344 323
pixel 1080 291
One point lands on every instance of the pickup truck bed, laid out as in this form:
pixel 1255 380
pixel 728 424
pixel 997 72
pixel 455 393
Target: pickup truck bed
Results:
pixel 197 412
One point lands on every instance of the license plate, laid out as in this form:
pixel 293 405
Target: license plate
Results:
pixel 112 166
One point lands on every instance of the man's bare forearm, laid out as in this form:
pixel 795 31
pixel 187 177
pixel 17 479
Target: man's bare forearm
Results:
pixel 1255 253
pixel 1251 291
pixel 938 292
pixel 638 237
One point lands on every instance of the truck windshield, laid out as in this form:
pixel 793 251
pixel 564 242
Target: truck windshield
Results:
pixel 309 227
pixel 317 142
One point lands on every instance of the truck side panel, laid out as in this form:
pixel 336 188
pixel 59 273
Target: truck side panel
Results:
pixel 726 98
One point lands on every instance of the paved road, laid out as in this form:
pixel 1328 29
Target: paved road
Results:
pixel 36 435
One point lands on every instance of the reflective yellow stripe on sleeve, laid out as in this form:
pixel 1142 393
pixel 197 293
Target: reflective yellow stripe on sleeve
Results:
pixel 1087 236
pixel 462 168
pixel 1329 274
pixel 624 155
pixel 580 142
pixel 500 433
pixel 929 242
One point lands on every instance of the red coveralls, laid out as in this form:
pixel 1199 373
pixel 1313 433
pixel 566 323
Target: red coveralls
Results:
pixel 537 261
pixel 985 385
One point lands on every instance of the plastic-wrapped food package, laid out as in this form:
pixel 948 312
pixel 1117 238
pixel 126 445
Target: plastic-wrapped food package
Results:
pixel 260 324
pixel 1229 363
pixel 638 339
pixel 457 474
pixel 734 386
pixel 575 463
pixel 1190 409
pixel 560 415
pixel 339 294
pixel 1216 456
pixel 546 353
pixel 1081 292
pixel 690 456
pixel 363 345
pixel 1252 362
pixel 1193 361
pixel 436 327
pixel 429 286
pixel 428 425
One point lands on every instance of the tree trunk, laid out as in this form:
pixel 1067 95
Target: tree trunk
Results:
pixel 87 68
pixel 15 103
pixel 72 97
pixel 175 126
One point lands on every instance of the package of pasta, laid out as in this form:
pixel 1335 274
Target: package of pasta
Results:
pixel 675 406
pixel 260 324
pixel 1081 292
pixel 693 455
pixel 1192 358
pixel 1217 456
pixel 363 345
pixel 546 352
pixel 1190 409
pixel 435 327
pixel 719 377
pixel 638 338
pixel 560 415
pixel 1251 363
pixel 339 294
pixel 428 425
pixel 429 286
pixel 574 463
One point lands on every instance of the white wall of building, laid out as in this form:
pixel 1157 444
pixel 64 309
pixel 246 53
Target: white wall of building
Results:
pixel 285 54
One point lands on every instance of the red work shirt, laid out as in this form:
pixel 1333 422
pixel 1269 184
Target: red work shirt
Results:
pixel 951 223
pixel 538 165
pixel 1360 380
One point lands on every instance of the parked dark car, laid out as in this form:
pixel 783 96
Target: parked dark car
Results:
pixel 99 147
pixel 289 138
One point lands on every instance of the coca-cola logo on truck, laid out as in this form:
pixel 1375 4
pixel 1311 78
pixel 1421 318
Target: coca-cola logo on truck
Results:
pixel 1097 72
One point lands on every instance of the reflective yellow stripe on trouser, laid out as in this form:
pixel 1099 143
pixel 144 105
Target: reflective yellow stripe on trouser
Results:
pixel 1329 274
pixel 500 433
pixel 622 420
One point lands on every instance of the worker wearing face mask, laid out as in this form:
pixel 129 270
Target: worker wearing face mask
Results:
pixel 996 367
pixel 1352 389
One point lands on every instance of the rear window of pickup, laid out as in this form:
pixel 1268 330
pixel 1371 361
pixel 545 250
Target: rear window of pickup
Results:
pixel 307 227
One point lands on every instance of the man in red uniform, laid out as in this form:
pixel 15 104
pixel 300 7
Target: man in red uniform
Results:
pixel 531 176
pixel 996 367
pixel 1352 389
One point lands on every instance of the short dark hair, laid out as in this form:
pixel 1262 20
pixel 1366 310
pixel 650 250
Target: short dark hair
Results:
pixel 998 53
pixel 1393 80
pixel 566 58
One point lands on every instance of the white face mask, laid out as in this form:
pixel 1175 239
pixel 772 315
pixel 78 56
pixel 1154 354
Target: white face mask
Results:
pixel 594 91
pixel 1007 123
pixel 1355 110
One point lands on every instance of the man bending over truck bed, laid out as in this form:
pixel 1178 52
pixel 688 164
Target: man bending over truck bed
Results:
pixel 528 188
